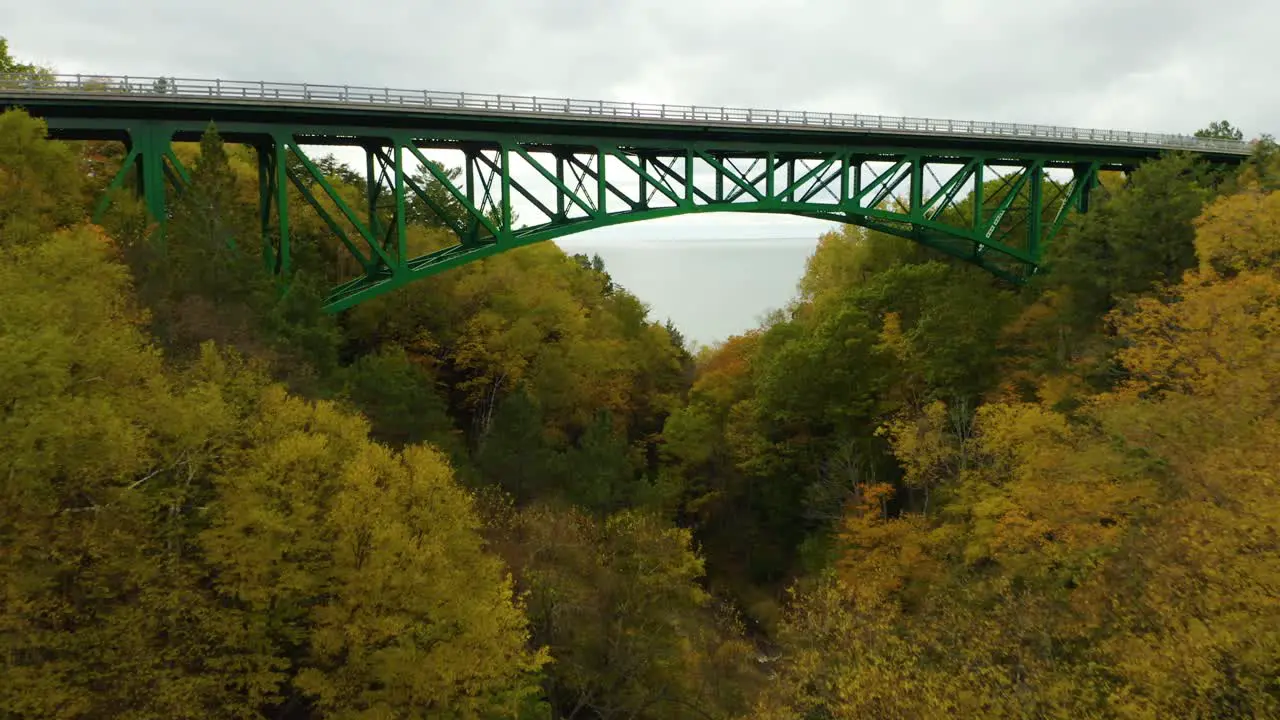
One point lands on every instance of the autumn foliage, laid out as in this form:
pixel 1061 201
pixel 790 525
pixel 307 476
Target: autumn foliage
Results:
pixel 507 492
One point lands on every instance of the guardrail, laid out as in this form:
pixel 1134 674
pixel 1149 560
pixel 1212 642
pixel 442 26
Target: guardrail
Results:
pixel 352 95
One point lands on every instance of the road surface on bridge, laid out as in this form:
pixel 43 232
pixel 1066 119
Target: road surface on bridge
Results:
pixel 992 194
pixel 308 103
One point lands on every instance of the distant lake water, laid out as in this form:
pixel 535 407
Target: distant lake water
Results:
pixel 710 287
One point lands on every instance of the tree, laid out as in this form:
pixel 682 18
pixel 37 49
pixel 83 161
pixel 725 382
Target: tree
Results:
pixel 595 265
pixel 1136 238
pixel 1110 562
pixel 193 541
pixel 378 556
pixel 1238 233
pixel 9 65
pixel 617 602
pixel 514 454
pixel 212 246
pixel 1221 130
pixel 400 399
pixel 598 474
pixel 39 182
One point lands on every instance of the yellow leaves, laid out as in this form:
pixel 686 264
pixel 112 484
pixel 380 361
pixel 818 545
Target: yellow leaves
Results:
pixel 1206 620
pixel 39 182
pixel 107 459
pixel 1122 560
pixel 380 553
pixel 419 614
pixel 77 373
pixel 926 445
pixel 1012 435
pixel 534 318
pixel 891 336
pixel 1195 638
pixel 846 661
pixel 196 544
pixel 1058 496
pixel 835 264
pixel 1239 232
pixel 1218 338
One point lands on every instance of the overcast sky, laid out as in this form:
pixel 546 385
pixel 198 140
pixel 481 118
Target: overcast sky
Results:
pixel 1152 65
pixel 1160 65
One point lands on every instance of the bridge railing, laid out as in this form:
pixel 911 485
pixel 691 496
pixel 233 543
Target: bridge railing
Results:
pixel 384 97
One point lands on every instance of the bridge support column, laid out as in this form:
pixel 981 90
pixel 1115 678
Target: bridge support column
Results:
pixel 267 177
pixel 284 261
pixel 1087 177
pixel 149 143
pixel 915 210
pixel 273 194
pixel 1035 208
pixel 373 187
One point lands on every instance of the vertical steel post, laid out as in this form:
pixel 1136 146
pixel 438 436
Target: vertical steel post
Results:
pixel 504 157
pixel 688 176
pixel 1088 176
pixel 266 197
pixel 560 194
pixel 791 178
pixel 857 183
pixel 151 142
pixel 602 187
pixel 1034 210
pixel 719 181
pixel 282 200
pixel 844 178
pixel 473 224
pixel 402 252
pixel 915 209
pixel 644 183
pixel 979 187
pixel 769 170
pixel 373 187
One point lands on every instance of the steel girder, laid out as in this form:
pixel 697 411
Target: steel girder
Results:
pixel 997 210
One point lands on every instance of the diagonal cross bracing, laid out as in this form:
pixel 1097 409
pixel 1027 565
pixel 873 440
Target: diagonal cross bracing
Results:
pixel 997 207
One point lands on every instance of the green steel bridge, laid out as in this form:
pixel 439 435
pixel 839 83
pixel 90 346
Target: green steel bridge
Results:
pixel 981 191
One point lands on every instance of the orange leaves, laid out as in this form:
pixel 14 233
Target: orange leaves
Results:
pixel 724 370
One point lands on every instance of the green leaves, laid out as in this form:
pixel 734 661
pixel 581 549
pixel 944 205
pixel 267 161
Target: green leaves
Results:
pixel 8 64
pixel 1220 129
pixel 1136 238
pixel 619 604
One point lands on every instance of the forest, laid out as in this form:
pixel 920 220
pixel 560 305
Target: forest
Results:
pixel 508 492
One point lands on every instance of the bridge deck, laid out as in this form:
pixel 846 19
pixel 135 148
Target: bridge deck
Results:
pixel 332 106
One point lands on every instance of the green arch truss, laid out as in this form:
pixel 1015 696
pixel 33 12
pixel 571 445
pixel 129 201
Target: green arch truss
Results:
pixel 995 208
